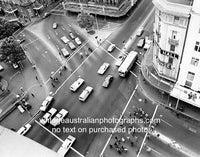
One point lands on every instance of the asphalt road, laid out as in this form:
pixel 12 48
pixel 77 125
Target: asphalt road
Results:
pixel 43 47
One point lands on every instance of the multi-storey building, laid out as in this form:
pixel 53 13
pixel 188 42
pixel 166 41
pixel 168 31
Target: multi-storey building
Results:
pixel 28 8
pixel 171 22
pixel 113 8
pixel 176 48
pixel 187 87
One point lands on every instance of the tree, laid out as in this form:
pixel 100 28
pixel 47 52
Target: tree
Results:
pixel 7 28
pixel 85 20
pixel 11 51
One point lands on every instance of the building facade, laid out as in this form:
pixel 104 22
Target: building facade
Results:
pixel 113 8
pixel 171 22
pixel 187 87
pixel 22 8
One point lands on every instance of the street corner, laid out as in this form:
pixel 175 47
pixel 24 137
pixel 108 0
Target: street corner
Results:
pixel 36 95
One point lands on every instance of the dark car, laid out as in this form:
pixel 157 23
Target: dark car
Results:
pixel 107 81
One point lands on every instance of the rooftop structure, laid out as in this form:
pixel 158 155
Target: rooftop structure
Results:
pixel 13 144
pixel 113 8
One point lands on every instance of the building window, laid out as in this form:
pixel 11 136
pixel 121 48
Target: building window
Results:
pixel 197 46
pixel 189 79
pixel 172 47
pixel 176 20
pixel 174 34
pixel 195 61
pixel 190 76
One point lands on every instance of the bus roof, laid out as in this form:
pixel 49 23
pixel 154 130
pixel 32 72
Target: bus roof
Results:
pixel 131 56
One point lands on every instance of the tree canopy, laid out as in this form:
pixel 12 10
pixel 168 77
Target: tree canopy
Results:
pixel 11 51
pixel 85 20
pixel 7 28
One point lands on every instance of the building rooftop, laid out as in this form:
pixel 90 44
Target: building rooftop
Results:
pixel 15 145
pixel 183 2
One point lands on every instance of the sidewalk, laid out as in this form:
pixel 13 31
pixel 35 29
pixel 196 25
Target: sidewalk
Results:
pixel 151 75
pixel 157 90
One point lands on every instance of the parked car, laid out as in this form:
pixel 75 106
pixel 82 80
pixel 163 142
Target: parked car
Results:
pixel 1 68
pixel 120 60
pixel 111 48
pixel 85 93
pixel 76 84
pixel 103 68
pixel 64 39
pixel 23 130
pixel 71 45
pixel 47 116
pixel 78 41
pixel 141 43
pixel 46 103
pixel 140 31
pixel 71 35
pixel 59 117
pixel 107 81
pixel 55 25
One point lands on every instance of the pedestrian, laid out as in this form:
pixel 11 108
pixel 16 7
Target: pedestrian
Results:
pixel 32 95
pixel 111 146
pixel 36 77
pixel 136 139
pixel 64 67
pixel 148 136
pixel 56 79
pixel 132 143
pixel 52 85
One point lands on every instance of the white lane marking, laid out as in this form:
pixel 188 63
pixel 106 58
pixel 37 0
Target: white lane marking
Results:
pixel 78 50
pixel 117 47
pixel 49 131
pixel 147 132
pixel 119 120
pixel 108 53
pixel 67 60
pixel 30 42
pixel 62 28
pixel 166 122
pixel 133 74
pixel 77 152
pixel 155 151
pixel 14 75
pixel 74 71
pixel 138 64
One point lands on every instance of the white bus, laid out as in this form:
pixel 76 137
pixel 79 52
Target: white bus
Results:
pixel 127 63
